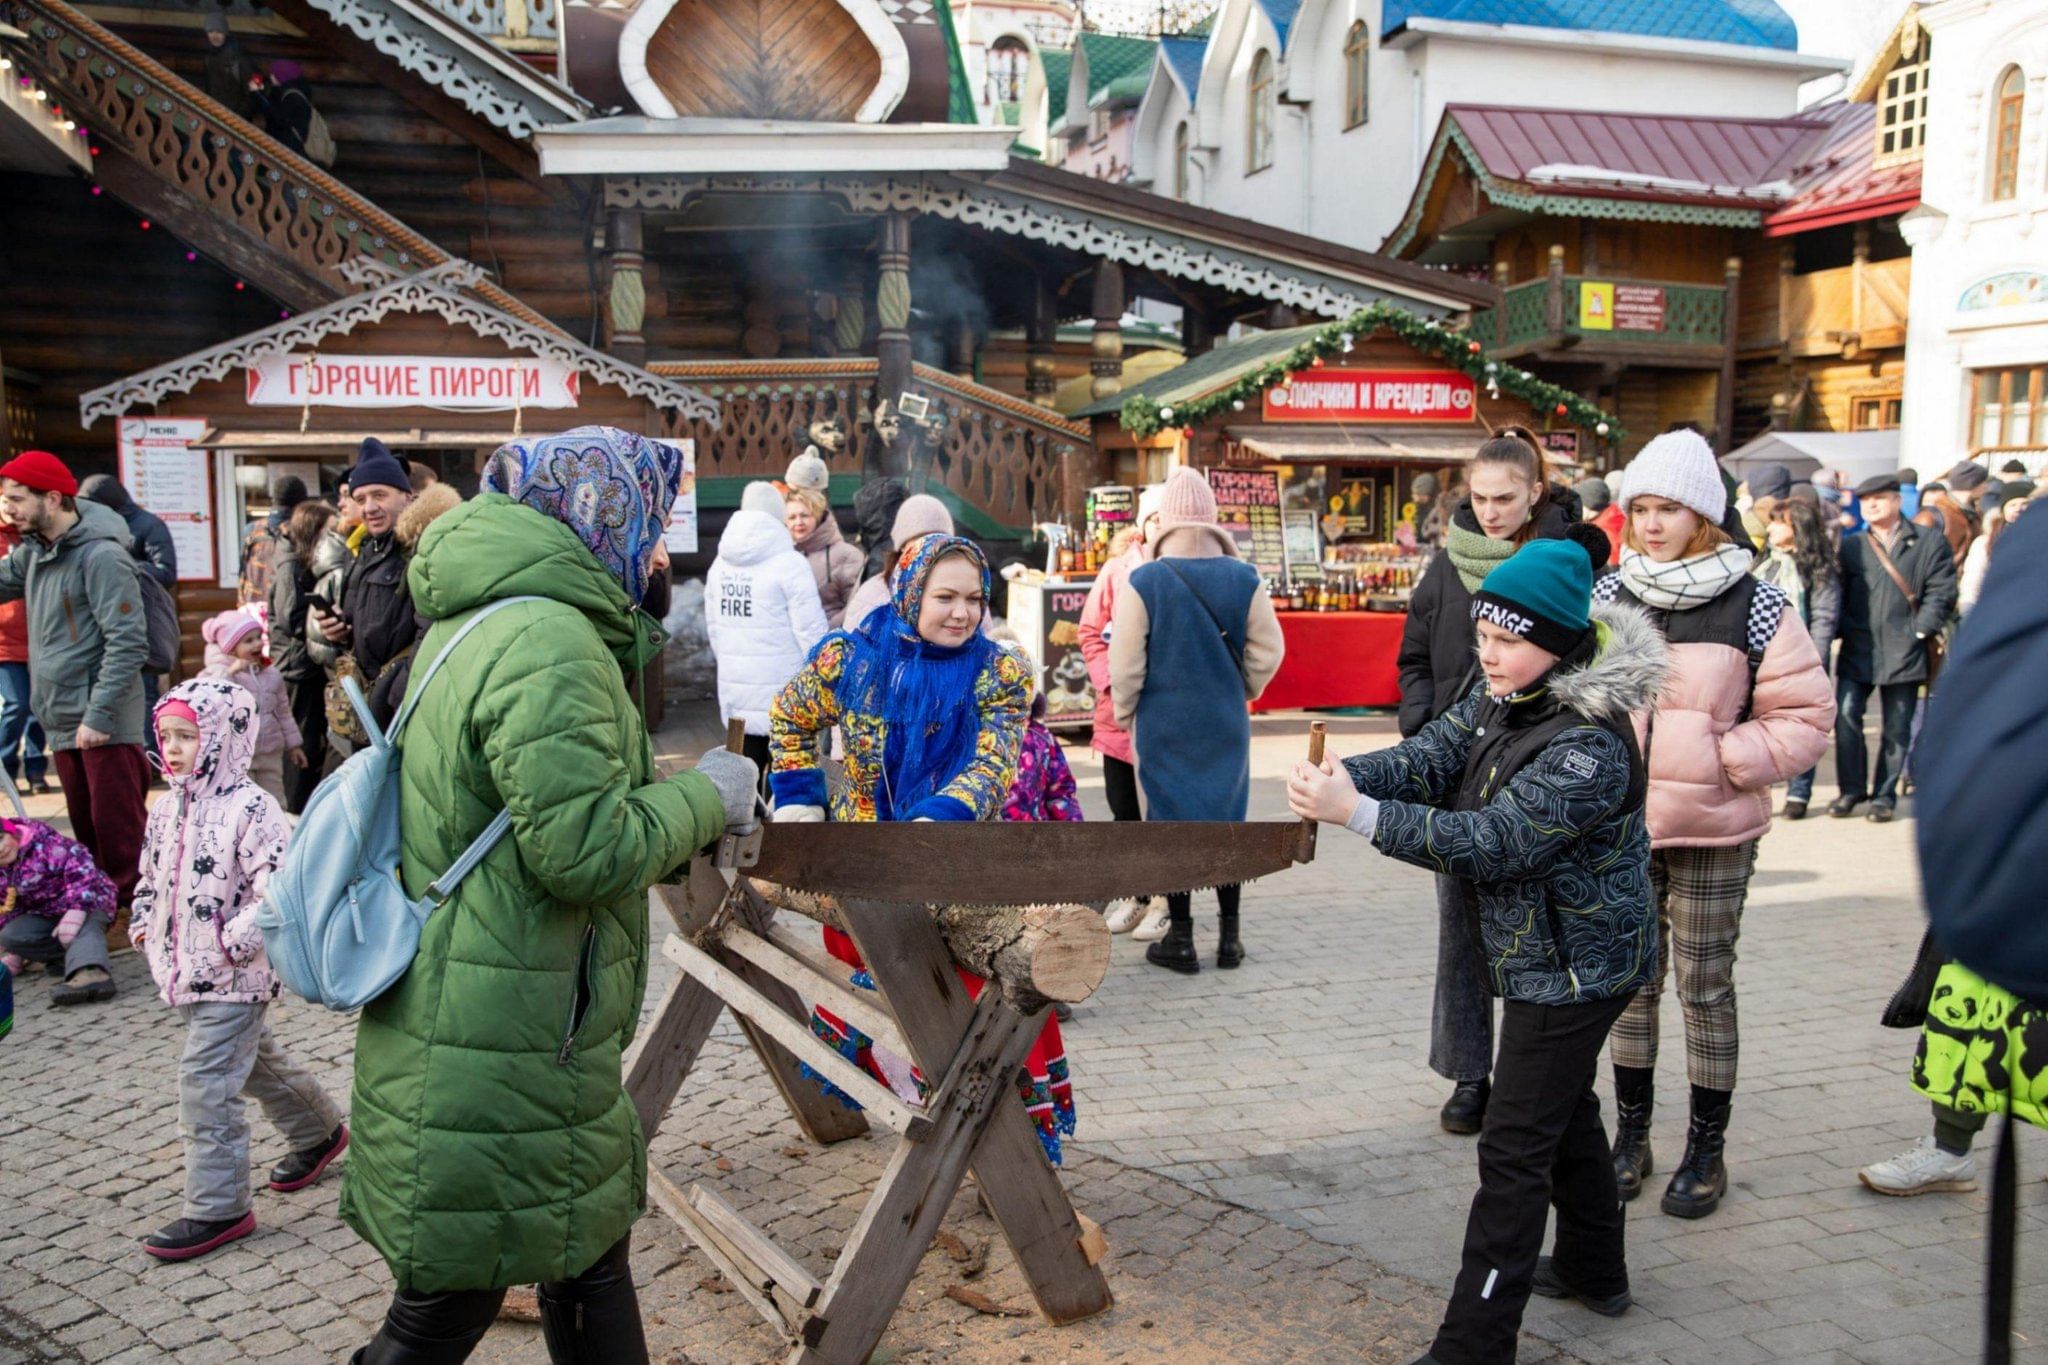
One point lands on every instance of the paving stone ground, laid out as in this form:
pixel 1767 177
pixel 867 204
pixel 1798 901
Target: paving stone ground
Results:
pixel 1260 1146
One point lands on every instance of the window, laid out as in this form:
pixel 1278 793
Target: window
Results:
pixel 1877 413
pixel 1180 160
pixel 1357 52
pixel 1099 121
pixel 1902 107
pixel 1008 59
pixel 2005 137
pixel 1259 123
pixel 2006 408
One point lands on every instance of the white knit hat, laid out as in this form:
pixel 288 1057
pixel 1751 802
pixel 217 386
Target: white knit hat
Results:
pixel 762 496
pixel 1678 465
pixel 808 471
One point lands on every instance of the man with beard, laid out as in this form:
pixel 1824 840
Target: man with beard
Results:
pixel 376 623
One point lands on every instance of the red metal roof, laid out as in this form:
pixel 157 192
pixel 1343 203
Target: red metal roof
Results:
pixel 1740 162
pixel 1836 182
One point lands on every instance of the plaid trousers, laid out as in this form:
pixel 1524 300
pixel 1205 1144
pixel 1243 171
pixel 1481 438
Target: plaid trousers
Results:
pixel 1700 893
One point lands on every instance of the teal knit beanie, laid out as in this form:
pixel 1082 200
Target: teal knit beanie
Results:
pixel 1543 592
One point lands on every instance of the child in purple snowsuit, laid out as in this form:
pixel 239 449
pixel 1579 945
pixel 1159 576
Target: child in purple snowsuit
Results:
pixel 1044 789
pixel 55 903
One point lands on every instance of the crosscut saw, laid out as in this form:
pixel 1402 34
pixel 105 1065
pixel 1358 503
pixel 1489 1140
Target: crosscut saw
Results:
pixel 1014 863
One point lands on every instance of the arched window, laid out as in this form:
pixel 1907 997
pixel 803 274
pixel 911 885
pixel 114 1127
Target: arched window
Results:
pixel 1180 160
pixel 1007 60
pixel 1259 123
pixel 1357 52
pixel 2011 106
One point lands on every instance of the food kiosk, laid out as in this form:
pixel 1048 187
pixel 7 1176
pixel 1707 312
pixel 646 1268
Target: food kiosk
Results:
pixel 1328 446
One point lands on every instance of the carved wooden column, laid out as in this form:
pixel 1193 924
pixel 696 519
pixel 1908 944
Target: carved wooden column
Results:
pixel 1724 395
pixel 1041 330
pixel 1108 363
pixel 961 344
pixel 892 308
pixel 626 307
pixel 1554 319
pixel 1787 268
pixel 850 322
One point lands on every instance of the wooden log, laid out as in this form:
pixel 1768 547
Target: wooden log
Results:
pixel 1035 954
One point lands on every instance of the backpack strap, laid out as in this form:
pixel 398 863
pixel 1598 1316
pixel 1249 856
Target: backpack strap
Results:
pixel 418 687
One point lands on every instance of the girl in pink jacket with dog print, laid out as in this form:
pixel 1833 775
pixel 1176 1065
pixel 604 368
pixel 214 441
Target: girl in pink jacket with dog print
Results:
pixel 208 853
pixel 1748 704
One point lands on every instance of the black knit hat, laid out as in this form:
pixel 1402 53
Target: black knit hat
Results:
pixel 377 465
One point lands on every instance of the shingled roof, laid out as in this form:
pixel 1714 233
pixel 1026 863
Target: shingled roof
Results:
pixel 1745 23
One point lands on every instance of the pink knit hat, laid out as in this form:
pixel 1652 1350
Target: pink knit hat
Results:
pixel 1186 502
pixel 229 629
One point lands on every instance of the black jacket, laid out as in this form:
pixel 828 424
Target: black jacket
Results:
pixel 1535 805
pixel 1981 767
pixel 288 609
pixel 1437 661
pixel 1883 637
pixel 377 604
pixel 151 544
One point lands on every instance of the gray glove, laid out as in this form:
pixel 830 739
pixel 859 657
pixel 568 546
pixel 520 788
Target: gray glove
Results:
pixel 735 776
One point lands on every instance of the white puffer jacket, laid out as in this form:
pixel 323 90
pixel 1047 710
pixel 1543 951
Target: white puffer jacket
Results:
pixel 762 611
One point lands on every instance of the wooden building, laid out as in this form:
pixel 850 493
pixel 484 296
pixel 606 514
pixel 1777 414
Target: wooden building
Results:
pixel 1732 273
pixel 810 228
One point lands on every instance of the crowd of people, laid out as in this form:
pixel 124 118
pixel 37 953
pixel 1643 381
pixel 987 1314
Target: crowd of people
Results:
pixel 1602 686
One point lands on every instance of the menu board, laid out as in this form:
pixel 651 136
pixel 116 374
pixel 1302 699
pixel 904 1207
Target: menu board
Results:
pixel 164 474
pixel 1248 507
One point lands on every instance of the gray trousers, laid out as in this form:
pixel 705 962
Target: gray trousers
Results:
pixel 229 1053
pixel 1461 1020
pixel 33 938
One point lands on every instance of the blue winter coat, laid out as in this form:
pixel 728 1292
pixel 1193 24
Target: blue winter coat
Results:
pixel 1194 735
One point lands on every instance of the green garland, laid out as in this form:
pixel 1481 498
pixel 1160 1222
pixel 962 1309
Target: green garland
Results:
pixel 1142 416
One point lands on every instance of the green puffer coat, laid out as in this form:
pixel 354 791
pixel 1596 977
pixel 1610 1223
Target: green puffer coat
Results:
pixel 493 1143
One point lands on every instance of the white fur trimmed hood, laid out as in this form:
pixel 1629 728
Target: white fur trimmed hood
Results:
pixel 1626 673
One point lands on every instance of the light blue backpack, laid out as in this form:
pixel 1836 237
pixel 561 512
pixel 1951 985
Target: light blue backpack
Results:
pixel 337 924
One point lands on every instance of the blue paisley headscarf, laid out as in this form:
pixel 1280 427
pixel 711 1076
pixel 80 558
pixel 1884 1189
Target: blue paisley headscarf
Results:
pixel 612 488
pixel 923 692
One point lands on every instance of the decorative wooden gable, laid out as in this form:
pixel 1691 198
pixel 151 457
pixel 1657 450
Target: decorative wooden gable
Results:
pixel 828 61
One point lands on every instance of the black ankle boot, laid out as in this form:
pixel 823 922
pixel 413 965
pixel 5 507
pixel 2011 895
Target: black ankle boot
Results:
pixel 1632 1160
pixel 1176 952
pixel 1229 952
pixel 1465 1111
pixel 1702 1178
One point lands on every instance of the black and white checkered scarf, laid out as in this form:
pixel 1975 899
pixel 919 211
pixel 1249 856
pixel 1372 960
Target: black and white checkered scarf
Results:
pixel 1683 583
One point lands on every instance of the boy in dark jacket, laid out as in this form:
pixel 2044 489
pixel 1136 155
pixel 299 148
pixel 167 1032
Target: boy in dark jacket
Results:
pixel 1530 791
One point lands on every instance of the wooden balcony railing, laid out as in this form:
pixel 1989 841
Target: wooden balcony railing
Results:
pixel 1662 315
pixel 1013 462
pixel 1853 308
pixel 221 169
pixel 520 25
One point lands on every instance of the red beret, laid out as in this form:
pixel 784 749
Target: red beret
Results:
pixel 42 471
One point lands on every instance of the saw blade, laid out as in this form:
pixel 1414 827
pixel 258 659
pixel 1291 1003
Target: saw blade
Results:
pixel 1024 863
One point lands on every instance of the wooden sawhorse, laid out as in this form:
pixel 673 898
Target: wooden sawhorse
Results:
pixel 734 956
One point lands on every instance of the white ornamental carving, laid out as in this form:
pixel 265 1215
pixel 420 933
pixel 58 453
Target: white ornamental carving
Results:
pixel 1090 234
pixel 429 291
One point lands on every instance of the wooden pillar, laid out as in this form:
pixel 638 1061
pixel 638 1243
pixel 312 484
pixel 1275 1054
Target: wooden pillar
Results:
pixel 1858 267
pixel 1503 276
pixel 1788 260
pixel 1108 363
pixel 850 321
pixel 626 308
pixel 1041 332
pixel 1724 395
pixel 1197 333
pixel 892 308
pixel 1282 315
pixel 1553 299
pixel 961 344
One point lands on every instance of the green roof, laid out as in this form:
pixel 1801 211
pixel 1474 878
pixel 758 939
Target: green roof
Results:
pixel 959 99
pixel 1110 58
pixel 1204 374
pixel 1058 66
pixel 1123 90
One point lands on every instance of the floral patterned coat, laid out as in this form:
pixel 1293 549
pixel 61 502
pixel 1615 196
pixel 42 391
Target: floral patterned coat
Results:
pixel 51 876
pixel 1044 789
pixel 809 706
pixel 207 856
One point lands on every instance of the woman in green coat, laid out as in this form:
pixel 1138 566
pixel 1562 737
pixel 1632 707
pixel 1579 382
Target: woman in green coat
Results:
pixel 493 1141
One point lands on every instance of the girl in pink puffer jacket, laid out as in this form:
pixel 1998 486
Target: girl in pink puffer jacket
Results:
pixel 209 852
pixel 234 652
pixel 1747 704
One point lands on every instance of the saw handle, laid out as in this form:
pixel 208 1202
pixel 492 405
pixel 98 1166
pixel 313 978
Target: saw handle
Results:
pixel 1317 733
pixel 735 735
pixel 1305 845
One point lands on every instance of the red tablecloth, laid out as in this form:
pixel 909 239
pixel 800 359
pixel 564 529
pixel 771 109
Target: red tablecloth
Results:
pixel 1337 658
